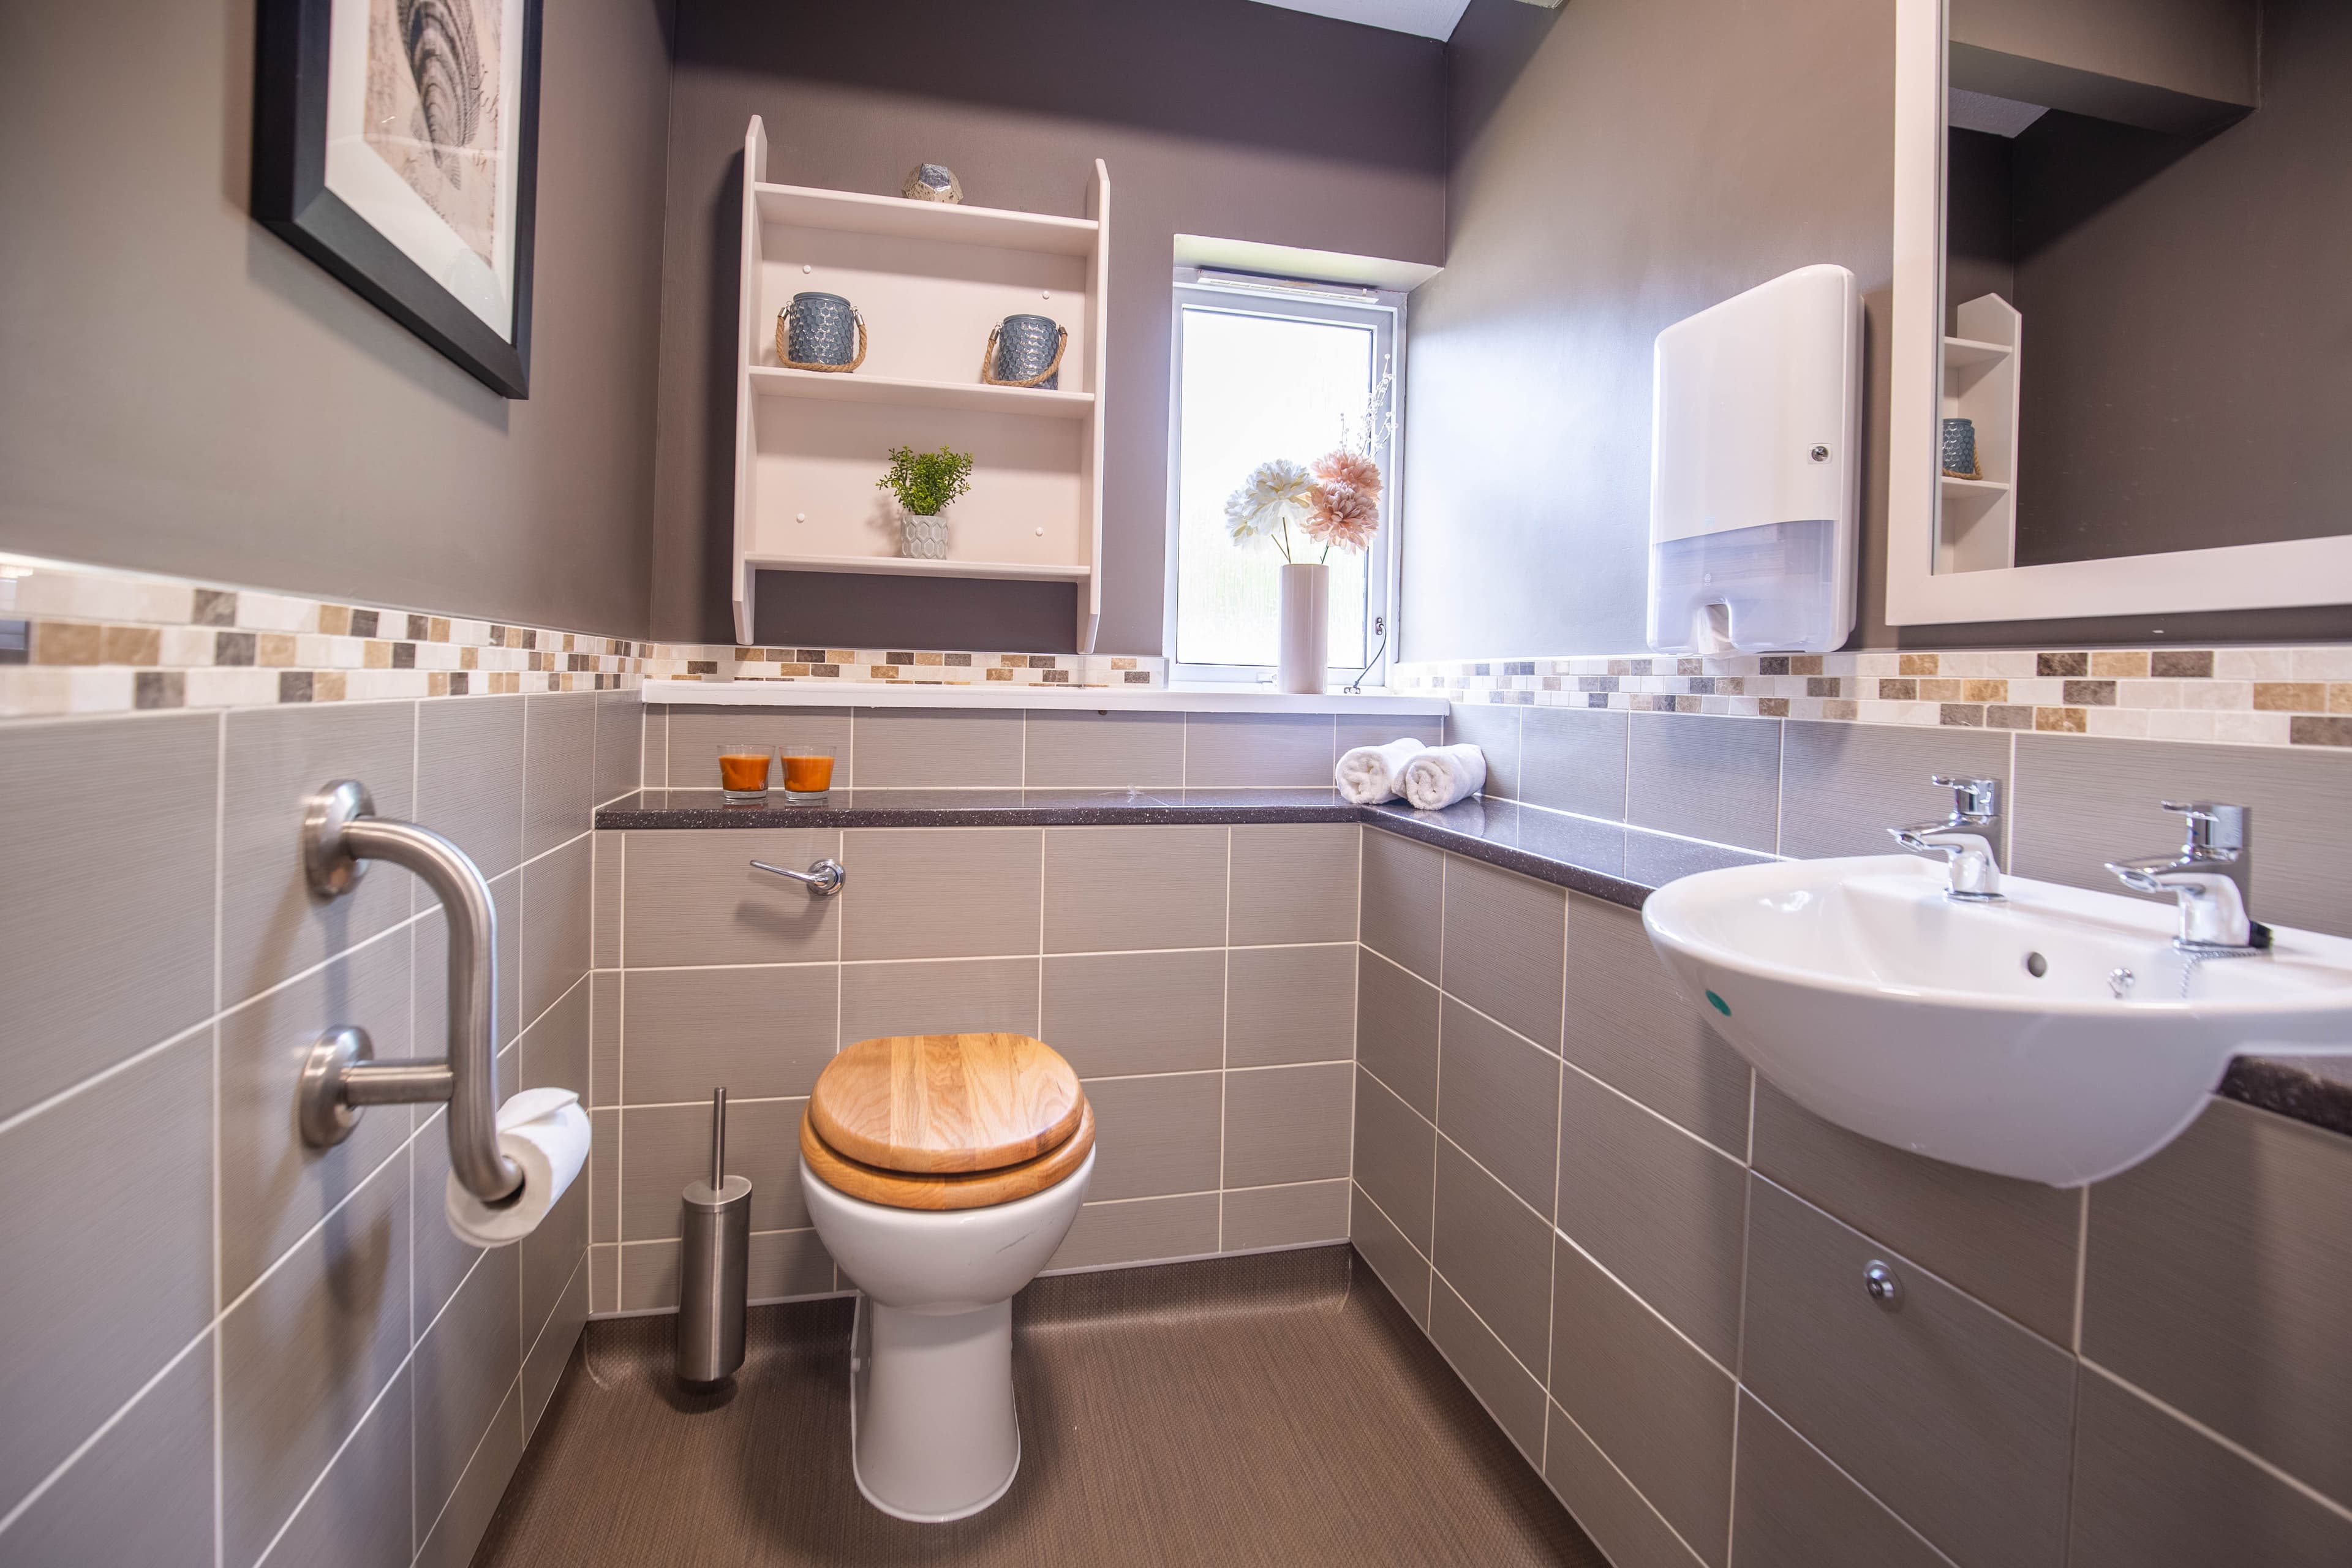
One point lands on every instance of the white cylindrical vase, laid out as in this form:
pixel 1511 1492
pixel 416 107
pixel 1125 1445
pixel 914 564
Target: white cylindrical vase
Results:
pixel 1306 626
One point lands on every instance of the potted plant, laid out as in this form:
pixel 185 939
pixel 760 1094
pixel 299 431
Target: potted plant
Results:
pixel 1334 502
pixel 926 484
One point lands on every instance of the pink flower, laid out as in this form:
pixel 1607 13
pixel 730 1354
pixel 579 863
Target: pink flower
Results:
pixel 1350 468
pixel 1343 514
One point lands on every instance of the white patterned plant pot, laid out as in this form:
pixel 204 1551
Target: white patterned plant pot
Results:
pixel 923 538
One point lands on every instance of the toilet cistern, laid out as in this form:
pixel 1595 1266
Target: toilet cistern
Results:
pixel 2213 875
pixel 1966 839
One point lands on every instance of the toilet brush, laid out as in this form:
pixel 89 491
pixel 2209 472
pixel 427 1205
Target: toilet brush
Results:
pixel 715 1220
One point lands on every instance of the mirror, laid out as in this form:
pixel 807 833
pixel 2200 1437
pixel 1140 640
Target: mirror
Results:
pixel 2126 357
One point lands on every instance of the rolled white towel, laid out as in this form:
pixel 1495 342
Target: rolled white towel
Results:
pixel 1370 774
pixel 543 1130
pixel 1443 775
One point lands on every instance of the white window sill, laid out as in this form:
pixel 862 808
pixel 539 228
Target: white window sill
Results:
pixel 1009 694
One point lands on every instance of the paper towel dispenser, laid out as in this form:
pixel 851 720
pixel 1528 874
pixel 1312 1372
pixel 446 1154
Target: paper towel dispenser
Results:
pixel 1755 469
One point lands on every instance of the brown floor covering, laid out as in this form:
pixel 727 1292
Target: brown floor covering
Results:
pixel 1275 1409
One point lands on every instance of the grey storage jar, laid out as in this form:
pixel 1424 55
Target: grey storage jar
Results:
pixel 820 330
pixel 1024 347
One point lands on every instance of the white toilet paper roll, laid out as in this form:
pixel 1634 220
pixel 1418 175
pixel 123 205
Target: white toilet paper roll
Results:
pixel 543 1130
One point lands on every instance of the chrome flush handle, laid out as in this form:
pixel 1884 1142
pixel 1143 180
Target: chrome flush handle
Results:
pixel 823 879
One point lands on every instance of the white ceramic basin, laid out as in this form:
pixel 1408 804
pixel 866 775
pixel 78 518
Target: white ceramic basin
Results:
pixel 1868 996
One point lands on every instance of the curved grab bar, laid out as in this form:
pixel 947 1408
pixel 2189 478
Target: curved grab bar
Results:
pixel 341 834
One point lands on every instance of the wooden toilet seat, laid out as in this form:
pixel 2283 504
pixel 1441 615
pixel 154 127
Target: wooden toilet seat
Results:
pixel 946 1121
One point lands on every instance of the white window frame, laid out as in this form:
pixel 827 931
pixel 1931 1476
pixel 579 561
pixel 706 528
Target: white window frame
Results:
pixel 1384 310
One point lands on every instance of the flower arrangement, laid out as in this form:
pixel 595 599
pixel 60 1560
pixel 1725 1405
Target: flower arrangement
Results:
pixel 927 482
pixel 1335 500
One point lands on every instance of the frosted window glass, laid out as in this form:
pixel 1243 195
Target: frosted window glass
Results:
pixel 1257 387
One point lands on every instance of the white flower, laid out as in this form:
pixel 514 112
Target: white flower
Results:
pixel 1275 493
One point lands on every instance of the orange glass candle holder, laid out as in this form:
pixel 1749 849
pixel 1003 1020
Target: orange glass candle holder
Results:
pixel 743 769
pixel 808 772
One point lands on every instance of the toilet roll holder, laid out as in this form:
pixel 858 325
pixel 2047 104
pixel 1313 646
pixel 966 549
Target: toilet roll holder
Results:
pixel 341 1078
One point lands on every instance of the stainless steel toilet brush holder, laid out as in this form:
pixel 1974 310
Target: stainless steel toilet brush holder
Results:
pixel 715 1218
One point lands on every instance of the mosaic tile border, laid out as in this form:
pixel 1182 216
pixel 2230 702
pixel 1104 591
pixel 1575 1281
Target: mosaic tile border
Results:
pixel 81 639
pixel 2243 696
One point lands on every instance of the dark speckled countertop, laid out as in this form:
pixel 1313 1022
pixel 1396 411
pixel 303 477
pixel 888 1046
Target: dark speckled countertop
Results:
pixel 1601 859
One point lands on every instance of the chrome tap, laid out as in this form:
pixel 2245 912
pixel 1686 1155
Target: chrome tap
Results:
pixel 1966 838
pixel 2213 875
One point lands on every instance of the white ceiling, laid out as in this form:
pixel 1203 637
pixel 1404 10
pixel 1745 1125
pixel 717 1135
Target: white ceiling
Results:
pixel 1427 18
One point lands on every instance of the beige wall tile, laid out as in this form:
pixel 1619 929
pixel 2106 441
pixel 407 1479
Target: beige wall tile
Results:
pixel 1396 1030
pixel 554 1051
pixel 466 1363
pixel 1495 731
pixel 360 1513
pixel 108 1234
pixel 1662 1212
pixel 2012 1245
pixel 92 976
pixel 693 898
pixel 159 1453
pixel 1380 729
pixel 2152 1492
pixel 780 1265
pixel 603 1176
pixel 274 1187
pixel 439 1262
pixel 1155 1135
pixel 1290 1005
pixel 1109 888
pixel 1113 1013
pixel 1620 1519
pixel 1950 1413
pixel 1510 1393
pixel 1404 901
pixel 544 1362
pixel 694 735
pixel 555 923
pixel 1630 1026
pixel 559 779
pixel 1574 760
pixel 549 1257
pixel 1659 1409
pixel 952 997
pixel 760 1033
pixel 1495 1251
pixel 1104 751
pixel 1842 786
pixel 1498 1097
pixel 1392 1258
pixel 1295 882
pixel 1287 1124
pixel 938 892
pixel 606 849
pixel 938 748
pixel 449 1541
pixel 1793 1508
pixel 2217 1274
pixel 1504 946
pixel 604 1037
pixel 469 768
pixel 1395 1158
pixel 271 927
pixel 1152 1228
pixel 1257 748
pixel 1286 1217
pixel 620 759
pixel 1705 776
pixel 304 1356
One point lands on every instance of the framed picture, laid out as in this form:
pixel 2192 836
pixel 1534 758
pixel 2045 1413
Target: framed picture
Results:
pixel 395 142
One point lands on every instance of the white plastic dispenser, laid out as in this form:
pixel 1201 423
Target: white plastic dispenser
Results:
pixel 1755 438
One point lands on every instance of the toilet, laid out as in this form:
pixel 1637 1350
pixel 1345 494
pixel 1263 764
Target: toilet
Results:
pixel 941 1172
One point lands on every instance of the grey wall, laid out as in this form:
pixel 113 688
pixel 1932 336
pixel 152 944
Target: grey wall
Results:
pixel 278 1343
pixel 1648 1264
pixel 2185 318
pixel 182 392
pixel 2163 64
pixel 1615 166
pixel 1216 117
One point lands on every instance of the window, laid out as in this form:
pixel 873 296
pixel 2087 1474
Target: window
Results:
pixel 1264 369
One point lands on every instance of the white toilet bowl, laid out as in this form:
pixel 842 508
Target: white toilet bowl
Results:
pixel 933 1435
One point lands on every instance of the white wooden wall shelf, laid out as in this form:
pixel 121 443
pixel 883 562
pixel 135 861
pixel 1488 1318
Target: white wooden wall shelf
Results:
pixel 1981 370
pixel 930 280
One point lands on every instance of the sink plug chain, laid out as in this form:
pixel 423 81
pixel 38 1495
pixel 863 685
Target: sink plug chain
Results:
pixel 2119 982
pixel 1883 1287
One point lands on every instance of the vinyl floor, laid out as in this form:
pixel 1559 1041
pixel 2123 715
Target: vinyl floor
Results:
pixel 1272 1409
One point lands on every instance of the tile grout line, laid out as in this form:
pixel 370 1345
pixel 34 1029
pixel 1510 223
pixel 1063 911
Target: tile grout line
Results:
pixel 74 1457
pixel 2283 1477
pixel 1225 1035
pixel 219 1391
pixel 1630 1487
pixel 328 1468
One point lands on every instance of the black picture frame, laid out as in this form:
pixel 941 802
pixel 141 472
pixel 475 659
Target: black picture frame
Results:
pixel 290 197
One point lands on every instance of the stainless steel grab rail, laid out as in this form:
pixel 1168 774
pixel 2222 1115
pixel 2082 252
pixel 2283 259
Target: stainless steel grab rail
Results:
pixel 341 834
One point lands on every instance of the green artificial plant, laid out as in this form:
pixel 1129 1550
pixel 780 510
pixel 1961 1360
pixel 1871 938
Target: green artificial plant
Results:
pixel 926 483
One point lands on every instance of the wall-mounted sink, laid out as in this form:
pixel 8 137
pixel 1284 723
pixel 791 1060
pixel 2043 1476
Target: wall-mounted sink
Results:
pixel 2056 1036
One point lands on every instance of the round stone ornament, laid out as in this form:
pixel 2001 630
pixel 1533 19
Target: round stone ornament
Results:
pixel 931 183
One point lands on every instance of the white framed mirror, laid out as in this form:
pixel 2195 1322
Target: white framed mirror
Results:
pixel 2120 249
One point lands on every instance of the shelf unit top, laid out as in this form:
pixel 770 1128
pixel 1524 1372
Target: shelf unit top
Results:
pixel 854 212
pixel 911 566
pixel 1960 352
pixel 978 398
pixel 1973 487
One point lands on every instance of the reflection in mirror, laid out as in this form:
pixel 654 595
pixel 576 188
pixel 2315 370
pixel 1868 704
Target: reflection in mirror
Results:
pixel 2147 279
